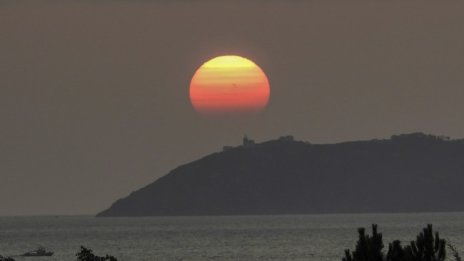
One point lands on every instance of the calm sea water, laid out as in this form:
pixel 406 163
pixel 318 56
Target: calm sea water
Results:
pixel 299 237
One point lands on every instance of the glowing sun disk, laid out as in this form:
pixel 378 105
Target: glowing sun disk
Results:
pixel 229 84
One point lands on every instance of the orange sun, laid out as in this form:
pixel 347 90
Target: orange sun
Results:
pixel 229 84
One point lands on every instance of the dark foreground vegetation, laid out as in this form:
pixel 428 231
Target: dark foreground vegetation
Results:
pixel 86 254
pixel 428 246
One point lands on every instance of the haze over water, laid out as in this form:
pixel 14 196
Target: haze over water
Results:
pixel 298 237
pixel 98 90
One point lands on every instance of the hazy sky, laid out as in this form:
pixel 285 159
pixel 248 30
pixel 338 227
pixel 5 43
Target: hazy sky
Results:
pixel 94 94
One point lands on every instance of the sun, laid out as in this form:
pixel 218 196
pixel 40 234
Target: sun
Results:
pixel 229 84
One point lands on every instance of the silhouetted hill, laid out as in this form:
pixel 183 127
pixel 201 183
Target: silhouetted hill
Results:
pixel 407 173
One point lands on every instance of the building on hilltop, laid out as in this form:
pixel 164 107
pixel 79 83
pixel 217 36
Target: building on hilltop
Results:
pixel 248 142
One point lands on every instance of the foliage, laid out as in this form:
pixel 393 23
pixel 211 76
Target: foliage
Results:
pixel 6 258
pixel 368 248
pixel 428 246
pixel 454 252
pixel 86 254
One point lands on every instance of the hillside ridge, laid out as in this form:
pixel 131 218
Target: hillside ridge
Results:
pixel 406 173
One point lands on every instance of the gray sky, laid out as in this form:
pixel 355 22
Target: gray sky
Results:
pixel 94 94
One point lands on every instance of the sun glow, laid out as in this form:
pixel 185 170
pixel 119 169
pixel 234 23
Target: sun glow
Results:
pixel 229 84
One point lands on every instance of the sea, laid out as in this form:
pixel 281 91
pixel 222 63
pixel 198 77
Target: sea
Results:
pixel 251 238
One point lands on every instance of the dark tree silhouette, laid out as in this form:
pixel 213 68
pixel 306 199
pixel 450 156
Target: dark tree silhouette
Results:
pixel 428 246
pixel 86 254
pixel 367 248
pixel 454 252
pixel 395 251
pixel 6 258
